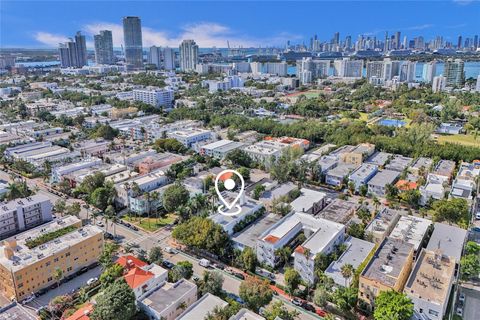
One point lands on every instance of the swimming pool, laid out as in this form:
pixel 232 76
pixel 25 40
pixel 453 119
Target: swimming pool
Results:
pixel 391 123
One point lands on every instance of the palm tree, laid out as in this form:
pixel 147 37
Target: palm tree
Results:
pixel 58 275
pixel 149 205
pixel 347 272
pixel 108 214
pixel 376 203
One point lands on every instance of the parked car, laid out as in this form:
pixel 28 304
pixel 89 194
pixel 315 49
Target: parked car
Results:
pixel 461 297
pixel 167 264
pixel 92 281
pixel 229 270
pixel 308 307
pixel 297 302
pixel 477 215
pixel 459 311
pixel 195 278
pixel 100 224
pixel 239 275
pixel 235 298
pixel 204 263
pixel 170 250
pixel 41 292
pixel 321 313
pixel 219 266
pixel 108 236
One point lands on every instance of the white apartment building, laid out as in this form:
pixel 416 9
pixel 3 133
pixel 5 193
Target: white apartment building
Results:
pixel 347 68
pixel 146 183
pixel 219 149
pixel 23 214
pixel 155 97
pixel 190 136
pixel 439 84
pixel 61 171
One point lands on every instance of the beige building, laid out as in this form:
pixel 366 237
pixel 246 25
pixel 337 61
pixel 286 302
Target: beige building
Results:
pixel 358 154
pixel 28 261
pixel 388 269
pixel 117 113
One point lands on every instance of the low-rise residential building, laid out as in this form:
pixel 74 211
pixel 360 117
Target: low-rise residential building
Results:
pixel 430 284
pixel 337 175
pixel 14 310
pixel 37 153
pixel 61 171
pixel 145 183
pixel 228 222
pixel 356 252
pixel 203 307
pixel 168 301
pixel 22 214
pixel 92 148
pixel 271 148
pixel 450 128
pixel 248 236
pixel 28 265
pixel 445 168
pixel 146 278
pixel 326 163
pixel 379 158
pixel 399 163
pixel 362 175
pixel 358 154
pixel 414 230
pixel 381 226
pixel 148 202
pixel 157 161
pixel 434 188
pixel 340 211
pixel 189 137
pixel 421 166
pixel 309 201
pixel 465 183
pixel 388 269
pixel 324 240
pixel 273 191
pixel 219 149
pixel 378 184
pixel 245 314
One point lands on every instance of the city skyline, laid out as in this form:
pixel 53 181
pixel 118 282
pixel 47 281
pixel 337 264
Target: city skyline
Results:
pixel 253 25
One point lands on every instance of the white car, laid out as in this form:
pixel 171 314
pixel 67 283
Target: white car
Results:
pixel 170 250
pixel 100 224
pixel 477 215
pixel 459 311
pixel 92 281
pixel 28 299
pixel 461 297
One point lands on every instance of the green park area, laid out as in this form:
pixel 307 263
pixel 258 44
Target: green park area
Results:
pixel 151 224
pixel 462 139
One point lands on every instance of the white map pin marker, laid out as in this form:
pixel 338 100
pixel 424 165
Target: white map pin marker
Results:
pixel 229 184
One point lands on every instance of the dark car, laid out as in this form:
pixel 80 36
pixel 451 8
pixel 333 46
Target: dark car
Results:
pixel 219 266
pixel 235 298
pixel 108 236
pixel 297 302
pixel 308 307
pixel 41 292
pixel 239 275
pixel 83 270
pixel 133 227
pixel 167 264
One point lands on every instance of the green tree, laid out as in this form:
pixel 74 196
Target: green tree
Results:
pixel 211 282
pixel 106 132
pixel 60 206
pixel 155 255
pixel 393 305
pixel 470 266
pixel 115 303
pixel 453 210
pixel 471 247
pixel 107 255
pixel 258 191
pixel 255 292
pixel 111 274
pixel 345 298
pixel 321 296
pixel 249 259
pixel 183 269
pixel 277 310
pixel 347 271
pixel 74 209
pixel 174 197
pixel 240 158
pixel 292 279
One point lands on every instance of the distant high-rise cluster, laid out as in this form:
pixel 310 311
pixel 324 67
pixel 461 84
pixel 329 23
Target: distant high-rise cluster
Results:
pixel 74 52
pixel 132 36
pixel 104 47
pixel 188 55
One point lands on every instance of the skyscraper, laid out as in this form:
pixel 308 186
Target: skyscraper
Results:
pixel 155 56
pixel 188 55
pixel 168 59
pixel 438 83
pixel 74 52
pixel 429 71
pixel 459 42
pixel 336 38
pixel 454 72
pixel 475 42
pixel 132 36
pixel 104 47
pixel 407 71
pixel 396 40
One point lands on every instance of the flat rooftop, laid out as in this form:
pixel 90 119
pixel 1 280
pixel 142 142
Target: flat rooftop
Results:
pixel 245 314
pixel 445 167
pixel 384 177
pixel 307 199
pixel 23 202
pixel 449 239
pixel 167 295
pixel 248 236
pixel 201 308
pixel 411 229
pixel 217 144
pixel 388 261
pixel 15 311
pixel 278 191
pixel 340 211
pixel 431 277
pixel 426 163
pixel 23 256
pixel 379 158
pixel 363 171
pixel 385 218
pixel 399 163
pixel 327 230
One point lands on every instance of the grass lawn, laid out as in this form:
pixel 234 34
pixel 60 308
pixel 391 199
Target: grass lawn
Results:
pixel 467 140
pixel 363 116
pixel 151 224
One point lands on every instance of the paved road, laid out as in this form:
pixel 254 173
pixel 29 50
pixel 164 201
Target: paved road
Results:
pixel 471 308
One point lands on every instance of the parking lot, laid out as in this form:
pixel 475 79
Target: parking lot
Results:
pixel 472 301
pixel 67 287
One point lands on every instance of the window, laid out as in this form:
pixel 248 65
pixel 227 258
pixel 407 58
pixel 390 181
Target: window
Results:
pixel 433 312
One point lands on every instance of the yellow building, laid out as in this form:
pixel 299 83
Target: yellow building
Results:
pixel 28 261
pixel 358 154
pixel 388 269
pixel 117 113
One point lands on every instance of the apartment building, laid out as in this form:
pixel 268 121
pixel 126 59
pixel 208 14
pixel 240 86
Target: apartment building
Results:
pixel 379 158
pixel 310 201
pixel 336 176
pixel 358 154
pixel 340 211
pixel 155 97
pixel 203 307
pixel 445 168
pixel 39 152
pixel 421 165
pixel 145 183
pixel 388 269
pixel 465 183
pixel 324 240
pixel 145 278
pixel 413 230
pixel 220 149
pixel 382 225
pixel 168 301
pixel 27 263
pixel 430 284
pixel 434 188
pixel 191 136
pixel 362 175
pixel 272 148
pixel 59 172
pixel 399 163
pixel 23 214
pixel 378 184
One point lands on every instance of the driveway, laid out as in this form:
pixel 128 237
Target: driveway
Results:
pixel 471 310
pixel 74 284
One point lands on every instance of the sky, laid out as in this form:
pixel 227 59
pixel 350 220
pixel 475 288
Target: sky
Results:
pixel 43 24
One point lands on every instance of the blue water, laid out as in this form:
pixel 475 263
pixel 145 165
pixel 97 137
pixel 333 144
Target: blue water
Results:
pixel 391 123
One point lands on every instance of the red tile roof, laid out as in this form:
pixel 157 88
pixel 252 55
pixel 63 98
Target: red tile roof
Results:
pixel 137 277
pixel 300 249
pixel 82 313
pixel 404 185
pixel 271 239
pixel 128 262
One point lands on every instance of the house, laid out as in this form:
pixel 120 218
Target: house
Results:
pixel 433 189
pixel 399 163
pixel 445 168
pixel 309 201
pixel 388 269
pixel 465 183
pixel 143 279
pixel 430 284
pixel 168 301
pixel 362 175
pixel 82 313
pixel 337 175
pixel 378 184
pixel 421 166
pixel 356 252
pixel 379 158
pixel 450 128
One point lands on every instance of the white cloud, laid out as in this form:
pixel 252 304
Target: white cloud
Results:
pixel 50 39
pixel 205 34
